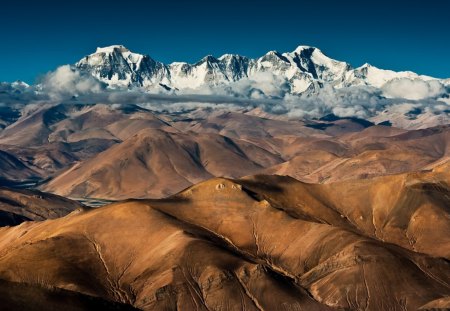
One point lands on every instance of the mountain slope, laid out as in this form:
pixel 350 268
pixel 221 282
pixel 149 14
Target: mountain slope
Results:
pixel 13 170
pixel 51 137
pixel 18 205
pixel 72 122
pixel 19 296
pixel 262 243
pixel 155 163
pixel 374 151
pixel 181 151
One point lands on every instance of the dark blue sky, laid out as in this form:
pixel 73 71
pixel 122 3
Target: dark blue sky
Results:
pixel 400 35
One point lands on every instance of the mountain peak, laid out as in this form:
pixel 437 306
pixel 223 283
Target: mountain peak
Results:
pixel 19 83
pixel 207 59
pixel 273 52
pixel 301 48
pixel 228 56
pixel 111 48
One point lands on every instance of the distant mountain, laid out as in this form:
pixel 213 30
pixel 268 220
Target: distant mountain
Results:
pixel 302 84
pixel 305 69
pixel 14 87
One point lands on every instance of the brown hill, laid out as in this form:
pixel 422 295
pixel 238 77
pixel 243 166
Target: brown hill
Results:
pixel 74 122
pixel 18 205
pixel 165 162
pixel 50 138
pixel 375 151
pixel 63 142
pixel 410 210
pixel 156 163
pixel 261 243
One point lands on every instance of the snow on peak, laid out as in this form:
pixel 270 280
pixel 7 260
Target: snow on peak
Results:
pixel 20 84
pixel 301 48
pixel 208 58
pixel 273 52
pixel 111 48
pixel 306 69
pixel 230 56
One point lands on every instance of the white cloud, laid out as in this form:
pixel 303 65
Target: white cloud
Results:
pixel 262 85
pixel 67 81
pixel 267 91
pixel 413 89
pixel 358 101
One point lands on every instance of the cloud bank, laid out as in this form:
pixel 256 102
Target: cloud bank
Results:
pixel 67 81
pixel 414 89
pixel 266 91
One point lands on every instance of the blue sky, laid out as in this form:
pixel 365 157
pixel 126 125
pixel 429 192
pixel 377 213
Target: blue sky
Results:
pixel 37 37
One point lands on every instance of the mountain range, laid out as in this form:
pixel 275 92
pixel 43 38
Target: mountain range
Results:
pixel 288 182
pixel 304 70
pixel 119 151
pixel 303 84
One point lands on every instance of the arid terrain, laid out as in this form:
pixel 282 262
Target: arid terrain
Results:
pixel 219 210
pixel 258 243
pixel 125 151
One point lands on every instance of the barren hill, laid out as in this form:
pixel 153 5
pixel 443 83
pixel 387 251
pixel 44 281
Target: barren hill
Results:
pixel 155 163
pixel 158 162
pixel 259 243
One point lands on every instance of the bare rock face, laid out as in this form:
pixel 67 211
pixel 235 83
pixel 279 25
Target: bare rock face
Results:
pixel 258 243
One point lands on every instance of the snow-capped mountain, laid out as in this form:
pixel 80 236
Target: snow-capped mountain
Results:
pixel 304 83
pixel 373 76
pixel 117 66
pixel 14 87
pixel 305 70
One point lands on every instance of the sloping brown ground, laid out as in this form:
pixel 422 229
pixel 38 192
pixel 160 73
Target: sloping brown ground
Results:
pixel 260 243
pixel 122 151
pixel 18 205
pixel 155 163
pixel 375 151
pixel 12 169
